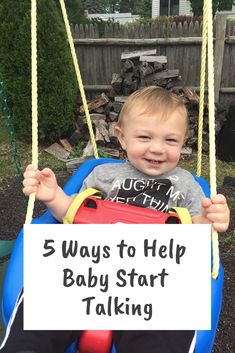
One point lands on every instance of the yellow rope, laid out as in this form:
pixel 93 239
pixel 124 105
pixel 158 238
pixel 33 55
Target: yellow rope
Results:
pixel 202 87
pixel 79 79
pixel 31 202
pixel 211 108
pixel 207 29
pixel 207 41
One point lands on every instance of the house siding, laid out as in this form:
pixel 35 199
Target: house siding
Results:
pixel 155 8
pixel 185 8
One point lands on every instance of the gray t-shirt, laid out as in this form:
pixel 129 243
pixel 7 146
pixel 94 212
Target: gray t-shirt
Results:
pixel 121 182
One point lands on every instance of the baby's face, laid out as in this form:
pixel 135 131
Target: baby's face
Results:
pixel 153 144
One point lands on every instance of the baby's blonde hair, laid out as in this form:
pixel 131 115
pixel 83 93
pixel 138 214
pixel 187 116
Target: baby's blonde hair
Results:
pixel 152 100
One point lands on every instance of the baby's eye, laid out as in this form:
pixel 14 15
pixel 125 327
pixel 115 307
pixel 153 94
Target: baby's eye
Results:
pixel 171 140
pixel 143 137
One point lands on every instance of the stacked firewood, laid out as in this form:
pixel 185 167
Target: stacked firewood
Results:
pixel 139 69
pixel 104 112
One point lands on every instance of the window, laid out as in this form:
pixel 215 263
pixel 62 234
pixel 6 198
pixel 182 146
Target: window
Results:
pixel 169 7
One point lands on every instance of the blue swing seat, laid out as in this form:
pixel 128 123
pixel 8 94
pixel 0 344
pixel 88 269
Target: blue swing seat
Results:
pixel 13 283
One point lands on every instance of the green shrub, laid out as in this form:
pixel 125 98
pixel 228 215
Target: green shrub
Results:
pixel 169 19
pixel 57 87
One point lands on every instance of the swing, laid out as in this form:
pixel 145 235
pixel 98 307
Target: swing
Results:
pixel 90 341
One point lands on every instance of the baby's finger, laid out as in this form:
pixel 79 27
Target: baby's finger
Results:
pixel 220 227
pixel 30 167
pixel 217 208
pixel 34 174
pixel 29 190
pixel 219 199
pixel 47 172
pixel 206 202
pixel 30 182
pixel 216 217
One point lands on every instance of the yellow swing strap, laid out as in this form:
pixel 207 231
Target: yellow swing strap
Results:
pixel 183 214
pixel 79 78
pixel 78 200
pixel 29 213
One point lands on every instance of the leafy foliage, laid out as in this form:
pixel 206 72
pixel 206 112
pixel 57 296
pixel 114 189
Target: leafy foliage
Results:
pixel 218 5
pixel 75 11
pixel 169 19
pixel 95 6
pixel 138 7
pixel 56 79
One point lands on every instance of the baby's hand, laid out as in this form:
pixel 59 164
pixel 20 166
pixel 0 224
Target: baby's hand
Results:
pixel 216 212
pixel 43 183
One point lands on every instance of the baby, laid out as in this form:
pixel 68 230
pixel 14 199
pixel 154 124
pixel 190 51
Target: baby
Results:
pixel 152 129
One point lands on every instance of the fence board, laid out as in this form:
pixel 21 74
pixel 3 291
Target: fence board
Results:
pixel 99 58
pixel 228 71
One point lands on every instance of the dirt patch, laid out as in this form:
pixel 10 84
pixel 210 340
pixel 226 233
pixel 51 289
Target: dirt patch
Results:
pixel 12 215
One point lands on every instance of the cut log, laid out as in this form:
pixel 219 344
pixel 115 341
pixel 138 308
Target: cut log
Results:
pixel 136 72
pixel 117 106
pixel 112 152
pixel 112 133
pixel 75 137
pixel 67 146
pixel 88 150
pixel 191 95
pixel 96 103
pixel 138 53
pixel 158 67
pixel 134 85
pixel 121 99
pixel 101 125
pixel 108 107
pixel 145 69
pixel 94 118
pixel 127 90
pixel 113 116
pixel 165 74
pixel 99 138
pixel 127 66
pixel 193 119
pixel 146 81
pixel 154 59
pixel 116 82
pixel 57 151
pixel 186 151
pixel 100 110
pixel 127 80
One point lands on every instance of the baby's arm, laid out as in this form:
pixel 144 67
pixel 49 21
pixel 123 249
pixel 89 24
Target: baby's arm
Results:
pixel 44 184
pixel 215 211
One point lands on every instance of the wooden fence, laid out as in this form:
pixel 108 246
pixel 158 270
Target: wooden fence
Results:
pixel 100 57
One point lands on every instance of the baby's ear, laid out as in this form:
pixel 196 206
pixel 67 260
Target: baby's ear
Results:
pixel 120 136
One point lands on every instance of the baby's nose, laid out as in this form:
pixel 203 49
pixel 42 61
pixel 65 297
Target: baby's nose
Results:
pixel 156 147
